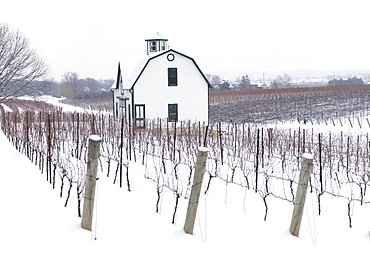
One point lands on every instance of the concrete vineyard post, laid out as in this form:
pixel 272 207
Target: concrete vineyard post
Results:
pixel 200 168
pixel 300 198
pixel 90 181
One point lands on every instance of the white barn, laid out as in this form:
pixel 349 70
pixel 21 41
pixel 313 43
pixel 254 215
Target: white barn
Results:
pixel 163 84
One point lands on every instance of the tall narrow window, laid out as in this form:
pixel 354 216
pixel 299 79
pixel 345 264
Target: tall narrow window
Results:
pixel 153 46
pixel 140 115
pixel 172 112
pixel 163 45
pixel 172 76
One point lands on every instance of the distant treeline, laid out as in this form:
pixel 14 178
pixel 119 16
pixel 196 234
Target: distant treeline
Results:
pixel 349 81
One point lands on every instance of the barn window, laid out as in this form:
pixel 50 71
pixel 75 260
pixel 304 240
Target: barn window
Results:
pixel 140 115
pixel 172 76
pixel 172 112
pixel 163 45
pixel 153 46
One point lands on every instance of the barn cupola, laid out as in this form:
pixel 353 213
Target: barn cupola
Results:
pixel 156 43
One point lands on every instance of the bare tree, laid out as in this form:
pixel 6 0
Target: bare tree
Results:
pixel 21 69
pixel 282 81
pixel 214 79
pixel 70 84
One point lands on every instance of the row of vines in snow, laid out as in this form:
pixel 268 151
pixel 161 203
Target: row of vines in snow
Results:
pixel 311 104
pixel 260 159
pixel 282 105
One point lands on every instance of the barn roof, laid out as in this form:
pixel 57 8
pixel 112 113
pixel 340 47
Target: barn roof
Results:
pixel 131 70
pixel 156 36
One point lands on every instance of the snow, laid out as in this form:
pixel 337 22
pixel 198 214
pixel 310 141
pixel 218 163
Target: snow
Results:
pixel 307 156
pixel 56 101
pixel 131 69
pixel 6 108
pixel 39 237
pixel 95 138
pixel 203 149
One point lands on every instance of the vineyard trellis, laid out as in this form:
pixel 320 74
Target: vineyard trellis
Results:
pixel 264 160
pixel 319 104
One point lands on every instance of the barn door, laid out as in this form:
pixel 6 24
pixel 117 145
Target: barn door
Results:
pixel 140 115
pixel 172 112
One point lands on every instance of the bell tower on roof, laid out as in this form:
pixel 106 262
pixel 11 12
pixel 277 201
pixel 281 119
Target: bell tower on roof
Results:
pixel 156 43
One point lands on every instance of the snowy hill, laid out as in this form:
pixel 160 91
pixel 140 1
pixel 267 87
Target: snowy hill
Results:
pixel 42 238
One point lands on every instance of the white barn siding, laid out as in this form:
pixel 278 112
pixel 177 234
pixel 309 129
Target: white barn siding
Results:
pixel 120 92
pixel 191 92
pixel 116 93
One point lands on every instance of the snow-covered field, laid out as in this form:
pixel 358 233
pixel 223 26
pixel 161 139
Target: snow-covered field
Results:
pixel 39 237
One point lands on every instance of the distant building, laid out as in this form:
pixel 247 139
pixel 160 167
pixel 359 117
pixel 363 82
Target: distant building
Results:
pixel 309 82
pixel 163 84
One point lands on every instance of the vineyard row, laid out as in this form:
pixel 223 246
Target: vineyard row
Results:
pixel 264 160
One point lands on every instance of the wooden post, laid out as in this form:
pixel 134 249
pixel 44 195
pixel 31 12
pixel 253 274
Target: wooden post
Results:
pixel 200 168
pixel 300 198
pixel 90 181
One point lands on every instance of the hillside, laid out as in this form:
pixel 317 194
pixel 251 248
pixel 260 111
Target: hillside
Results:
pixel 40 236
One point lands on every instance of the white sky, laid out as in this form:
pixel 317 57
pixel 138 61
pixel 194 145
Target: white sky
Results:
pixel 90 37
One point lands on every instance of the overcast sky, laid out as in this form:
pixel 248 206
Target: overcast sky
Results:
pixel 90 37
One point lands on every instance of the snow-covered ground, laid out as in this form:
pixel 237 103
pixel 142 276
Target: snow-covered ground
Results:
pixel 39 237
